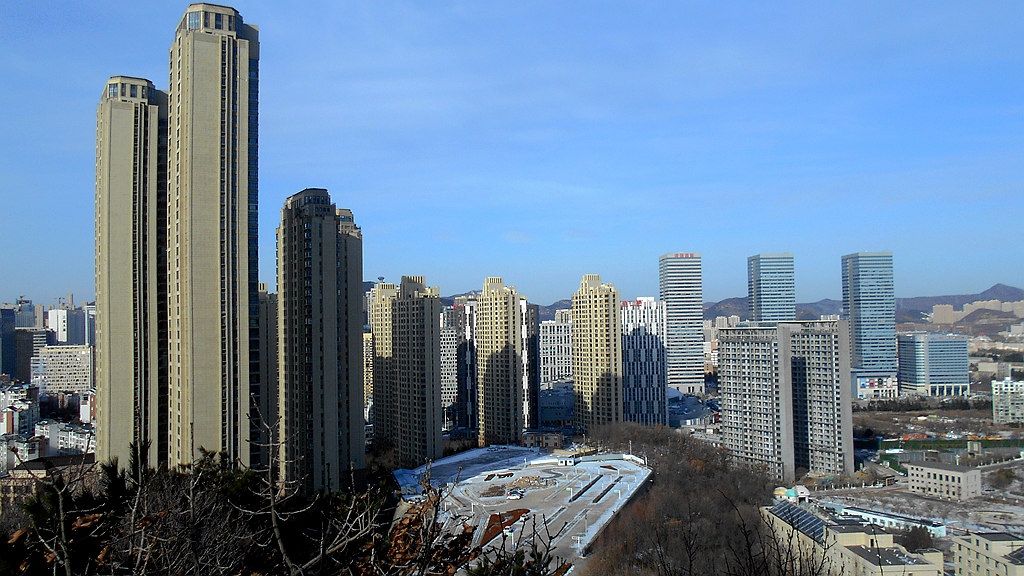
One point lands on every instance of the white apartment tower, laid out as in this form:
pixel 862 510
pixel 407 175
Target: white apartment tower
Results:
pixel 556 347
pixel 786 397
pixel 681 290
pixel 63 369
pixel 644 380
pixel 449 361
pixel 596 354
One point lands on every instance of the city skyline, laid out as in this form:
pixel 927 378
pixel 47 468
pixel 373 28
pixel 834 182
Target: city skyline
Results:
pixel 680 129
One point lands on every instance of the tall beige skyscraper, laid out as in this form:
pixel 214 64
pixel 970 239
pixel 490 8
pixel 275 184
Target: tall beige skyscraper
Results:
pixel 266 403
pixel 500 368
pixel 320 341
pixel 596 353
pixel 212 249
pixel 131 281
pixel 406 323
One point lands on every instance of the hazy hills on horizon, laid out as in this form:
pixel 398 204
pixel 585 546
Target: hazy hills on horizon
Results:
pixel 907 309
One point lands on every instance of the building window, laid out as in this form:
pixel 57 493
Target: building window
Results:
pixel 112 90
pixel 194 20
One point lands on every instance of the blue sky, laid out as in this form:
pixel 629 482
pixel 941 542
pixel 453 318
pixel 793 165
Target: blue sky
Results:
pixel 539 141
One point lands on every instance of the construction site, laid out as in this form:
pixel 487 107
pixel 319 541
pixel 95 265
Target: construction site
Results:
pixel 516 497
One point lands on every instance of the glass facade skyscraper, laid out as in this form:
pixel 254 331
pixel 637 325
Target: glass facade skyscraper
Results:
pixel 771 288
pixel 869 303
pixel 681 289
pixel 933 364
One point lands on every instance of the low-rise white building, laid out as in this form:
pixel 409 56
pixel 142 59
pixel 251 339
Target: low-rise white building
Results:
pixel 941 480
pixel 878 387
pixel 63 438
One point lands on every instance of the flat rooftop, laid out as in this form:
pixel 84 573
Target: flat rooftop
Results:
pixel 886 556
pixel 940 466
pixel 998 536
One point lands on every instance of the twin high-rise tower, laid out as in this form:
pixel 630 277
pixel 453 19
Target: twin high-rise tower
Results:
pixel 176 248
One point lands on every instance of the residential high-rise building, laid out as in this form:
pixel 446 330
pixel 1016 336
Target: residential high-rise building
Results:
pixel 28 344
pixel 212 225
pixel 381 312
pixel 681 289
pixel 367 371
pixel 1007 401
pixel 416 338
pixel 320 327
pixel 63 369
pixel 131 270
pixel 449 361
pixel 529 354
pixel 406 321
pixel 869 303
pixel 500 366
pixel 786 397
pixel 932 364
pixel 268 402
pixel 596 354
pixel 644 381
pixel 556 347
pixel 463 319
pixel 771 288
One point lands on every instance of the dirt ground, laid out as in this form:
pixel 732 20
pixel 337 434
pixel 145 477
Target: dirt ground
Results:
pixel 950 423
pixel 999 508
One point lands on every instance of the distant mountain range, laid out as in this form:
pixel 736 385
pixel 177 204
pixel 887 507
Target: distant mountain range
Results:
pixel 907 309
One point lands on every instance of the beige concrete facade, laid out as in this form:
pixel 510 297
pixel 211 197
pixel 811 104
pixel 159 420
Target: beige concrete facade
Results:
pixel 406 323
pixel 131 380
pixel 988 554
pixel 265 438
pixel 211 244
pixel 500 369
pixel 813 544
pixel 320 366
pixel 596 354
pixel 946 481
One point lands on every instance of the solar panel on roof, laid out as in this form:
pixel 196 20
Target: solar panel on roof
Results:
pixel 800 519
